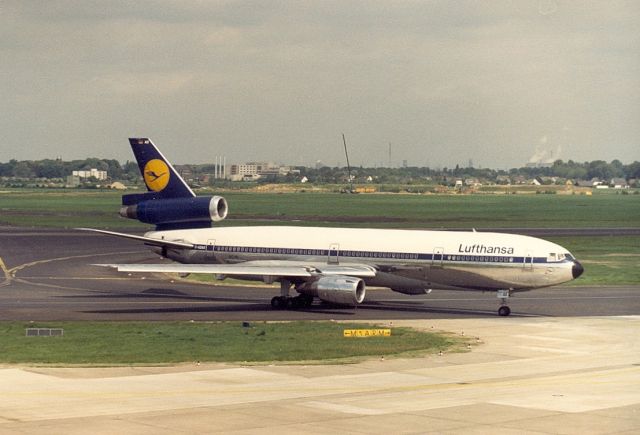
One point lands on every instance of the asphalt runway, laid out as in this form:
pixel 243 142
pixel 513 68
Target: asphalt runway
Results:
pixel 49 275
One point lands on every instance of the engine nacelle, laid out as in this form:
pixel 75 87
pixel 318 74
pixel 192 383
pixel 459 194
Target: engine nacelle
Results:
pixel 337 289
pixel 194 212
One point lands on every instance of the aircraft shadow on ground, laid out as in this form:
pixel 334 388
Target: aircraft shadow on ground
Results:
pixel 161 294
pixel 380 309
pixel 237 308
pixel 407 308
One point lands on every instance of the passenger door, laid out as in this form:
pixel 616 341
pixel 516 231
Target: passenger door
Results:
pixel 528 261
pixel 334 253
pixel 211 247
pixel 438 257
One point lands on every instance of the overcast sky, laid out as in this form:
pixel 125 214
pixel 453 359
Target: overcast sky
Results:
pixel 444 82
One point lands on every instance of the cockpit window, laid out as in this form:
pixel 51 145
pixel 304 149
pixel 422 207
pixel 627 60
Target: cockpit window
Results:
pixel 567 256
pixel 552 257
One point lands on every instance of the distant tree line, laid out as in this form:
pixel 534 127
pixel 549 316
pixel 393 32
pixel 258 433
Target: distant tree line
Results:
pixel 587 170
pixel 49 168
pixel 566 170
pixel 52 169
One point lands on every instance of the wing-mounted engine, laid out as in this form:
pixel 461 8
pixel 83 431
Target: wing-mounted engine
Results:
pixel 177 213
pixel 336 289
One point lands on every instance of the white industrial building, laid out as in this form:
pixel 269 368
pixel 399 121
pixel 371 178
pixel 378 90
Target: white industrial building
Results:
pixel 93 172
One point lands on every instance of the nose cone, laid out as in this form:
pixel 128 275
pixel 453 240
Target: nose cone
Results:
pixel 577 269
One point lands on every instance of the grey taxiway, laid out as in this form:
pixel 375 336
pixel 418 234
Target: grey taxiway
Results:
pixel 49 275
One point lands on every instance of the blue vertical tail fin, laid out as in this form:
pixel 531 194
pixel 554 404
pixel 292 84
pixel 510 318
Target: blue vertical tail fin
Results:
pixel 161 179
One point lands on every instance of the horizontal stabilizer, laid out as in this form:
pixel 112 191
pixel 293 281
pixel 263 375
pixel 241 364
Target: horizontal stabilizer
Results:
pixel 146 240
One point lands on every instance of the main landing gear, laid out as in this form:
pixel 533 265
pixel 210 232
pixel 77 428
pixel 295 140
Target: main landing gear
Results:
pixel 284 301
pixel 503 295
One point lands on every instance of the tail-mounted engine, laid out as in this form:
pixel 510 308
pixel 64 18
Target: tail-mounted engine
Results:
pixel 178 213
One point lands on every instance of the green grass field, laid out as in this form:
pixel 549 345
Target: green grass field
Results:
pixel 440 211
pixel 109 343
pixel 62 208
pixel 607 260
pixel 73 208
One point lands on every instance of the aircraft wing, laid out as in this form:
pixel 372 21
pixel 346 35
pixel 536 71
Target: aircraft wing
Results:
pixel 146 240
pixel 273 268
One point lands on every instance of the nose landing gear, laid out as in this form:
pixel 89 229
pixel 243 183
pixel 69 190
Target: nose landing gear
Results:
pixel 504 310
pixel 503 295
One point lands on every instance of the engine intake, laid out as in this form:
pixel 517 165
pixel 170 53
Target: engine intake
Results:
pixel 337 289
pixel 173 213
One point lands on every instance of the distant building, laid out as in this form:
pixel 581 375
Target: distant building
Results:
pixel 73 181
pixel 472 182
pixel 547 180
pixel 93 172
pixel 520 179
pixel 583 183
pixel 255 170
pixel 503 179
pixel 619 183
pixel 117 186
pixel 185 171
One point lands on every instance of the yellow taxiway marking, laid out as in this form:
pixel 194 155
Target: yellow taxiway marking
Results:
pixel 10 274
pixel 13 271
pixel 7 274
pixel 80 278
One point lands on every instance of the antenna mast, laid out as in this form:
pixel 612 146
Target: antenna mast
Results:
pixel 344 141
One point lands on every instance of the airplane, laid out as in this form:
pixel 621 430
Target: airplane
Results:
pixel 334 265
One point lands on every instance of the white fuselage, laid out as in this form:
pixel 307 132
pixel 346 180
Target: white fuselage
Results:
pixel 408 261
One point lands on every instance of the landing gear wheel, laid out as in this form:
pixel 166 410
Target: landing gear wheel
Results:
pixel 302 301
pixel 296 302
pixel 280 302
pixel 275 302
pixel 284 303
pixel 307 301
pixel 504 311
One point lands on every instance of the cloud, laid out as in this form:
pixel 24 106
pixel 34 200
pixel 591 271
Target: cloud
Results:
pixel 443 81
pixel 129 85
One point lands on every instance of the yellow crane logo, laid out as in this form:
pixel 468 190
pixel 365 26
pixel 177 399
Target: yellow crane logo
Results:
pixel 156 175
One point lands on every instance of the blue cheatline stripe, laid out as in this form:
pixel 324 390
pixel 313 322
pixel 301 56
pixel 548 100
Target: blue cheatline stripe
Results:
pixel 457 258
